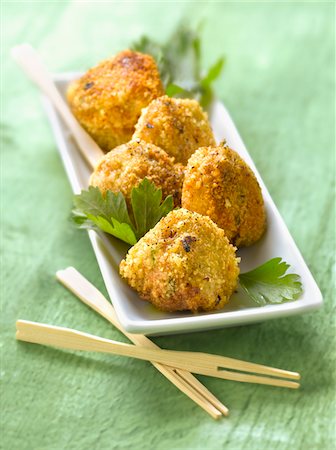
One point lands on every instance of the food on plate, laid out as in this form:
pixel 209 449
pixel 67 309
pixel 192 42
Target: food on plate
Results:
pixel 108 99
pixel 177 125
pixel 128 164
pixel 184 263
pixel 218 183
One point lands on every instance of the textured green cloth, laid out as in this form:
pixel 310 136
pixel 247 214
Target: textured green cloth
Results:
pixel 279 87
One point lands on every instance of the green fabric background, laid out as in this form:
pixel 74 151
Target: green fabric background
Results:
pixel 279 87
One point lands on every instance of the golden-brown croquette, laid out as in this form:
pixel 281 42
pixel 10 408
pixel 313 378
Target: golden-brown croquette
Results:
pixel 107 100
pixel 179 126
pixel 128 164
pixel 184 263
pixel 219 184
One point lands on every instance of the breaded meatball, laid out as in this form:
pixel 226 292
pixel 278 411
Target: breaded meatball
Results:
pixel 178 125
pixel 127 165
pixel 108 99
pixel 219 184
pixel 184 263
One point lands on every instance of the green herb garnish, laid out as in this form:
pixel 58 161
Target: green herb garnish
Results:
pixel 179 63
pixel 110 213
pixel 268 284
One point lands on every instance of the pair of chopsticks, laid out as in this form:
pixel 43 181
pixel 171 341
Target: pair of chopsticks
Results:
pixel 175 365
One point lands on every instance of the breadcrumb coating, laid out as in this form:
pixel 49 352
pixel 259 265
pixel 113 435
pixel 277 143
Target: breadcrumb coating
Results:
pixel 184 263
pixel 179 126
pixel 128 164
pixel 108 99
pixel 219 184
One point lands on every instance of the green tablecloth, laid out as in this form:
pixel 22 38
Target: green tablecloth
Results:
pixel 279 86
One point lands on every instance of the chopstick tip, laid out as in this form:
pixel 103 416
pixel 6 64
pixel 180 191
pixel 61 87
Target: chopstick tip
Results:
pixel 61 272
pixel 17 50
pixel 18 323
pixel 18 335
pixel 226 412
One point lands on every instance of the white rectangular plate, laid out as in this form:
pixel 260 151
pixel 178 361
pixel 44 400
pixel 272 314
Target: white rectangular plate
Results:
pixel 138 316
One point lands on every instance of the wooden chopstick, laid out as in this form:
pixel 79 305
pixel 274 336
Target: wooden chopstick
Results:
pixel 92 297
pixel 199 363
pixel 33 66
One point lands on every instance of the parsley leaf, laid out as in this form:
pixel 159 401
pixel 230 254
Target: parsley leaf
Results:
pixel 213 73
pixel 179 63
pixel 268 284
pixel 147 207
pixel 119 230
pixel 174 89
pixel 110 205
pixel 109 213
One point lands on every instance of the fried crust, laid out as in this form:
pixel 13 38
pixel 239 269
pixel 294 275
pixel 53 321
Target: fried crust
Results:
pixel 219 184
pixel 179 126
pixel 184 263
pixel 128 164
pixel 108 99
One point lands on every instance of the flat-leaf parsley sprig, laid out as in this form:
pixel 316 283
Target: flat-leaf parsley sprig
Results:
pixel 269 283
pixel 109 212
pixel 179 63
